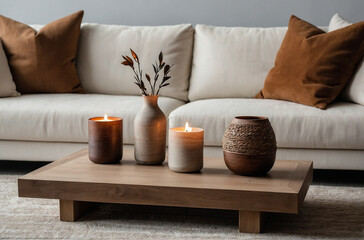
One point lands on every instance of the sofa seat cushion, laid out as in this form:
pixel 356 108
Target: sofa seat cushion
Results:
pixel 296 126
pixel 64 117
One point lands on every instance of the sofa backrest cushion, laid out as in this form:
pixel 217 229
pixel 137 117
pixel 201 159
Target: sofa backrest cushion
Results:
pixel 354 91
pixel 232 62
pixel 7 86
pixel 102 46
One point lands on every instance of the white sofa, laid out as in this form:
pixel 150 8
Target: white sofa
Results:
pixel 216 74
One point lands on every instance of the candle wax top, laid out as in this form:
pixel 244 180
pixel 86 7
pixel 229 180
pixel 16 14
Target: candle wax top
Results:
pixel 182 129
pixel 101 119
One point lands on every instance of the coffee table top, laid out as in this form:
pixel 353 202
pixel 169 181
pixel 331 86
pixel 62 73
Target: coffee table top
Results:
pixel 287 183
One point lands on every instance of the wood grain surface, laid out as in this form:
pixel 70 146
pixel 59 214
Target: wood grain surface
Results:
pixel 70 210
pixel 251 222
pixel 77 178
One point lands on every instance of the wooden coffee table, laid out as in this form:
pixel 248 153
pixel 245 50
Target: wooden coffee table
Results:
pixel 77 182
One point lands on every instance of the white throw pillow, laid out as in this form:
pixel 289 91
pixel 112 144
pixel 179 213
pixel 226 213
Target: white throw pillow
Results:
pixel 354 90
pixel 7 86
pixel 100 55
pixel 337 22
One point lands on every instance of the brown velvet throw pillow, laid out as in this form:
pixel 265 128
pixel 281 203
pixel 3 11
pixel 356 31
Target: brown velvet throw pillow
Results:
pixel 44 61
pixel 312 67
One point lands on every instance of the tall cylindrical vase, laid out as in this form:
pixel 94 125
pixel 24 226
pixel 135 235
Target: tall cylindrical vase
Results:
pixel 150 126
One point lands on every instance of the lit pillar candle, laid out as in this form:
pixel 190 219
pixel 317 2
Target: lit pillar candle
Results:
pixel 105 139
pixel 185 149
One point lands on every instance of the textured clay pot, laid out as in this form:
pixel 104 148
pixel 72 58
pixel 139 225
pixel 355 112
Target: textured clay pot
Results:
pixel 150 127
pixel 249 146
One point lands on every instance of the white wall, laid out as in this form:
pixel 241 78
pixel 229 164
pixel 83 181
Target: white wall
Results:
pixel 261 13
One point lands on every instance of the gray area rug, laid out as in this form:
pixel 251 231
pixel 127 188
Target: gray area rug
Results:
pixel 329 212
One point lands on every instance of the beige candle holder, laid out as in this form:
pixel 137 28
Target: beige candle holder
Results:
pixel 185 149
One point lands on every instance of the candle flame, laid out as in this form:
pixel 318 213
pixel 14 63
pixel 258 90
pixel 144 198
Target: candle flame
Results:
pixel 105 118
pixel 188 128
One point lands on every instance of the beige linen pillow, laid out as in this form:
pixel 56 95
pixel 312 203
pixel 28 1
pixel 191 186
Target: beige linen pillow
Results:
pixel 7 86
pixel 354 91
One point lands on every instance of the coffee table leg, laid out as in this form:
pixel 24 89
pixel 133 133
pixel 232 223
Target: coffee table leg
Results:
pixel 250 222
pixel 71 210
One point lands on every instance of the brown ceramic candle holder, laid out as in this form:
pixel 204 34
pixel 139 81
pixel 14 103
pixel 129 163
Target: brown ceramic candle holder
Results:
pixel 105 139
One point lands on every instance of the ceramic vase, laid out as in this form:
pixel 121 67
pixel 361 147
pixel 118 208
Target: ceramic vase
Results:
pixel 150 126
pixel 249 145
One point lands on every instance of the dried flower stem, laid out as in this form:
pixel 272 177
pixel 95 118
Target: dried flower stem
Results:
pixel 165 78
pixel 156 76
pixel 139 74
